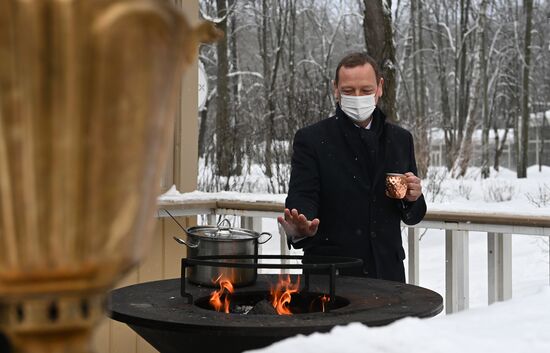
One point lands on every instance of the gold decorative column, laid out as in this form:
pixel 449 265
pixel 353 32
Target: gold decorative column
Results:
pixel 87 98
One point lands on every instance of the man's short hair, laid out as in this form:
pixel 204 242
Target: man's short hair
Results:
pixel 357 59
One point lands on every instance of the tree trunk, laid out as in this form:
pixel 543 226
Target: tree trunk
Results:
pixel 236 136
pixel 223 138
pixel 465 152
pixel 270 106
pixel 541 139
pixel 524 130
pixel 408 91
pixel 485 171
pixel 499 145
pixel 202 127
pixel 292 122
pixel 414 39
pixel 462 60
pixel 422 145
pixel 378 32
pixel 445 106
pixel 420 127
pixel 271 58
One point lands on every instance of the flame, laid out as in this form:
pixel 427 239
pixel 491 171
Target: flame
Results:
pixel 219 299
pixel 280 296
pixel 282 293
pixel 324 299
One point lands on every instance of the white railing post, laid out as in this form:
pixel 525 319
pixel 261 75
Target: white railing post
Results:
pixel 255 224
pixel 456 271
pixel 499 266
pixel 413 243
pixel 283 245
pixel 211 219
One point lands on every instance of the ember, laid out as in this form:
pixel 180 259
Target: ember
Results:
pixel 324 299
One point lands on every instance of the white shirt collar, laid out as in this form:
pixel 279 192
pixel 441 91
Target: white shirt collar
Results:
pixel 366 127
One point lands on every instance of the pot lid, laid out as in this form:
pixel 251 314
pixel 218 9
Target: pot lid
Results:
pixel 222 231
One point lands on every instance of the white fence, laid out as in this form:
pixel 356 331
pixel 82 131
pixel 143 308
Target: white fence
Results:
pixel 457 225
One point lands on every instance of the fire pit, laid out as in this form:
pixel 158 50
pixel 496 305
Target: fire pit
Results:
pixel 175 315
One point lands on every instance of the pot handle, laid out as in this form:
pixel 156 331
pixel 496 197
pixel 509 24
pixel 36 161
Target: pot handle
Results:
pixel 189 245
pixel 222 222
pixel 265 241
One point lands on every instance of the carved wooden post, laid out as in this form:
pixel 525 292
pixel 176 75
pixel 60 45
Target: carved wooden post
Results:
pixel 87 98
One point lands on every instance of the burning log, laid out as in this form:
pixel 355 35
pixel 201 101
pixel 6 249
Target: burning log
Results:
pixel 263 308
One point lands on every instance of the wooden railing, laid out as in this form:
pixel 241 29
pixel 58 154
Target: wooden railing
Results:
pixel 457 225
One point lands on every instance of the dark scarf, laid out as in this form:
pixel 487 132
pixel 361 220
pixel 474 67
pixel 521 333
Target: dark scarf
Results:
pixel 370 138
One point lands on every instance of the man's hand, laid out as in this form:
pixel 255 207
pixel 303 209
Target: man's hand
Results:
pixel 296 224
pixel 414 189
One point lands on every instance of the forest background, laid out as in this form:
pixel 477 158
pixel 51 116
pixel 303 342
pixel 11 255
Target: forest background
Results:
pixel 452 66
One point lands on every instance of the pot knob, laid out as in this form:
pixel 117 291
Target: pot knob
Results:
pixel 224 228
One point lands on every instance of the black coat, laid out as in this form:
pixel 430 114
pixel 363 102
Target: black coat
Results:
pixel 338 175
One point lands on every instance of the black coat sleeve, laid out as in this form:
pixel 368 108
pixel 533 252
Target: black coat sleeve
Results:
pixel 304 186
pixel 413 212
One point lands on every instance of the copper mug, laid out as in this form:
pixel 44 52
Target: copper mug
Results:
pixel 396 185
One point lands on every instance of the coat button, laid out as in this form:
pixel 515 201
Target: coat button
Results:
pixel 373 234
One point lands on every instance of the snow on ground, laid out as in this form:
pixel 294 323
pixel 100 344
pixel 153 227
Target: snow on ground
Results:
pixel 518 325
pixel 502 192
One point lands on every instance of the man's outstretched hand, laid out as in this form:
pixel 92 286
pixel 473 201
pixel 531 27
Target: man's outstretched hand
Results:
pixel 296 224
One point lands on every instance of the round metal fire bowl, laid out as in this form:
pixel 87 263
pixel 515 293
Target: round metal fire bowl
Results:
pixel 157 312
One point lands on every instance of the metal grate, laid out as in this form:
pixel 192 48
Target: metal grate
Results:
pixel 327 265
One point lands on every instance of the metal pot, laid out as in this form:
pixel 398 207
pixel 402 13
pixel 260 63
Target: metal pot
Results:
pixel 222 240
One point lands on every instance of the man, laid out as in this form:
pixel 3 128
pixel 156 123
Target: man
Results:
pixel 336 203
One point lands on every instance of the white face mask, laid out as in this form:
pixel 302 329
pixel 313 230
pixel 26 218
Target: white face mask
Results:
pixel 358 108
